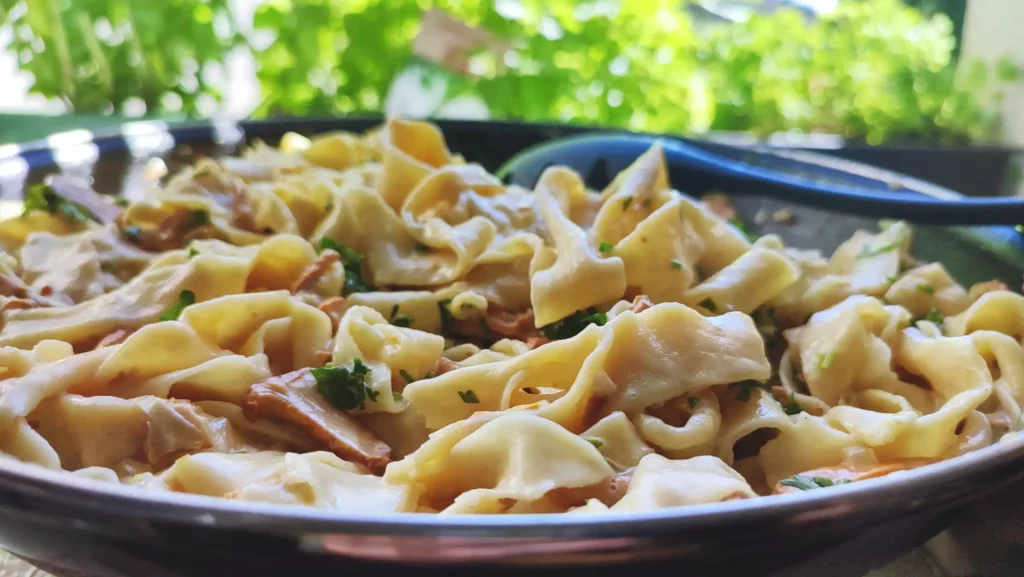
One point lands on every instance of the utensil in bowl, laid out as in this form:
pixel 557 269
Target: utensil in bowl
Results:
pixel 760 172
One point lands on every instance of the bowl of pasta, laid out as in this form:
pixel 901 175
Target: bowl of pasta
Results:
pixel 314 346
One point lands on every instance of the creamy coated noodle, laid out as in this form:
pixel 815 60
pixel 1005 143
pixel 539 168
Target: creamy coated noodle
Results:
pixel 368 323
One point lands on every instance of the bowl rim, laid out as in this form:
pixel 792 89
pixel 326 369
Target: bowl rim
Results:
pixel 868 499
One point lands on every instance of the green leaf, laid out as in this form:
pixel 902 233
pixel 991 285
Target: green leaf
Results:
pixel 185 299
pixel 709 305
pixel 805 483
pixel 405 375
pixel 398 320
pixel 345 386
pixel 597 443
pixel 605 247
pixel 926 288
pixel 825 359
pixel 468 397
pixel 573 324
pixel 352 261
pixel 41 197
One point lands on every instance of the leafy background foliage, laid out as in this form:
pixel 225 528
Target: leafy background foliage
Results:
pixel 874 69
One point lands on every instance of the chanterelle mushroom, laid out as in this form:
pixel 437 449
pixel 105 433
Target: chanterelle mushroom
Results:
pixel 293 398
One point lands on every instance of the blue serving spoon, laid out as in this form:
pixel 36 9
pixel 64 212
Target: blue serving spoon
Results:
pixel 803 178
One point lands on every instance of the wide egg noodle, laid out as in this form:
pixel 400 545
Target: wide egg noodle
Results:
pixel 388 351
pixel 554 350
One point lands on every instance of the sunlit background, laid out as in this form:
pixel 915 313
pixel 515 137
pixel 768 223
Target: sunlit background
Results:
pixel 874 72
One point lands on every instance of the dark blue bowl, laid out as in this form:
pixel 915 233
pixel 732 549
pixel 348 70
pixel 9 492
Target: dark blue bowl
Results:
pixel 76 527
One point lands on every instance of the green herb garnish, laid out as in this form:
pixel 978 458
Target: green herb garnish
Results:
pixel 709 305
pixel 825 359
pixel 468 397
pixel 934 316
pixel 343 386
pixel 744 228
pixel 676 265
pixel 405 375
pixel 926 288
pixel 692 401
pixel 397 397
pixel 626 202
pixel 766 323
pixel 868 252
pixel 605 247
pixel 404 321
pixel 192 252
pixel 573 324
pixel 743 394
pixel 122 202
pixel 446 313
pixel 792 407
pixel 597 443
pixel 891 279
pixel 805 483
pixel 132 233
pixel 198 218
pixel 42 197
pixel 185 299
pixel 352 261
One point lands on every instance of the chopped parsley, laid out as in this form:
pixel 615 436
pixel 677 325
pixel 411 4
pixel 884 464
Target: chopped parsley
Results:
pixel 805 483
pixel 766 323
pixel 573 324
pixel 405 375
pixel 825 359
pixel 891 279
pixel 934 316
pixel 352 261
pixel 122 202
pixel 744 228
pixel 404 321
pixel 446 313
pixel 676 264
pixel 343 386
pixel 709 305
pixel 868 252
pixel 132 233
pixel 42 197
pixel 692 401
pixel 198 218
pixel 743 394
pixel 329 206
pixel 468 397
pixel 597 443
pixel 626 202
pixel 605 247
pixel 185 299
pixel 926 288
pixel 397 397
pixel 792 407
pixel 421 248
pixel 192 251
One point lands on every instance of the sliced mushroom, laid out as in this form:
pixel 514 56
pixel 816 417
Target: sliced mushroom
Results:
pixel 641 303
pixel 12 286
pixel 508 323
pixel 986 287
pixel 445 366
pixel 293 398
pixel 114 338
pixel 608 491
pixel 335 308
pixel 314 271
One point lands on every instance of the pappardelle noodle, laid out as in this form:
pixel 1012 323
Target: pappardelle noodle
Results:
pixel 369 323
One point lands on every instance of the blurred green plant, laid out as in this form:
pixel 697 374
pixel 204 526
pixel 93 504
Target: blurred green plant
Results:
pixel 123 56
pixel 873 69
